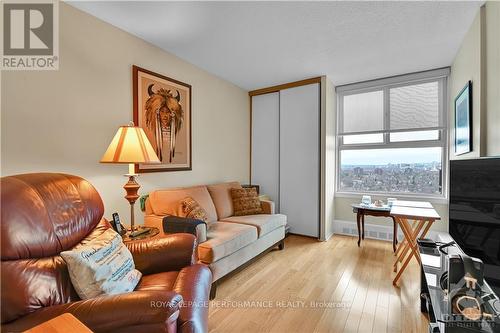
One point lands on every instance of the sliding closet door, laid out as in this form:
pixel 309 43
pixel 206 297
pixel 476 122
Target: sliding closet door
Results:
pixel 299 158
pixel 265 144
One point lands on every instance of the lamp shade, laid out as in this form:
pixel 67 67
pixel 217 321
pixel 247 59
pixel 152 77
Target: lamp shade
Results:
pixel 130 145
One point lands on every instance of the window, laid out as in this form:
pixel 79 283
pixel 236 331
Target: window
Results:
pixel 392 135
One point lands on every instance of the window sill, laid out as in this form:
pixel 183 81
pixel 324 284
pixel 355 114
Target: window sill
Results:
pixel 384 196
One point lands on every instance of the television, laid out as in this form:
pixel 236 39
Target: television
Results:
pixel 475 212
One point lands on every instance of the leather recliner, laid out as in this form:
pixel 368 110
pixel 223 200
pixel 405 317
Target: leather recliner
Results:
pixel 44 214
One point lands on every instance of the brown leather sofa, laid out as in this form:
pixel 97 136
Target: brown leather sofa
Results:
pixel 44 214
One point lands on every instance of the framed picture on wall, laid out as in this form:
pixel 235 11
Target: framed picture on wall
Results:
pixel 463 120
pixel 162 107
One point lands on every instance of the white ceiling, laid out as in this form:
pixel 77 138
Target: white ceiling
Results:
pixel 259 44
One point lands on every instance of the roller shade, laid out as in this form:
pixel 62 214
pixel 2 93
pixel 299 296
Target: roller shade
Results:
pixel 392 108
pixel 414 106
pixel 363 112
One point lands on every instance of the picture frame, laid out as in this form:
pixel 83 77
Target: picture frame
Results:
pixel 463 120
pixel 162 108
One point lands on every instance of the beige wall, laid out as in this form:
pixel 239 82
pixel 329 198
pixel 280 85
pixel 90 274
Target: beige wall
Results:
pixel 478 60
pixel 493 78
pixel 62 121
pixel 465 67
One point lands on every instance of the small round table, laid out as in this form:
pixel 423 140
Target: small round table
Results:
pixel 372 210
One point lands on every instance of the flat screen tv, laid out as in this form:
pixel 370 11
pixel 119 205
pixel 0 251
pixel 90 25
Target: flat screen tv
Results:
pixel 475 212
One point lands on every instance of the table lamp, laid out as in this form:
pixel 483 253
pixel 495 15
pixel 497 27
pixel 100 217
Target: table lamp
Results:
pixel 130 145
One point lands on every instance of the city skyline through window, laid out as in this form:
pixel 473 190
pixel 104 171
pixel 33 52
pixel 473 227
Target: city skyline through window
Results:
pixel 390 156
pixel 395 170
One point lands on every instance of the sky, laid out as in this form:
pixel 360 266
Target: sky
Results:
pixel 394 156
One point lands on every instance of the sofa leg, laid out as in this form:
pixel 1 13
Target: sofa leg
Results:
pixel 213 291
pixel 281 245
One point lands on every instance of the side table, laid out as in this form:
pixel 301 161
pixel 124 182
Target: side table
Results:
pixel 152 232
pixel 372 210
pixel 61 324
pixel 423 216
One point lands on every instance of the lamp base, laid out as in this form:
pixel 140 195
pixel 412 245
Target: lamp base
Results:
pixel 132 187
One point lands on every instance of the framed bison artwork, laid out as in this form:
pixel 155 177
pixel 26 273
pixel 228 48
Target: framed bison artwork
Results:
pixel 162 107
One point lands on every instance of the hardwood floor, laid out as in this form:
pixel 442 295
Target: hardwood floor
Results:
pixel 316 286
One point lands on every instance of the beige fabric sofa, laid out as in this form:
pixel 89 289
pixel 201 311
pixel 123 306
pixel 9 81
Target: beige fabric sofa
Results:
pixel 230 240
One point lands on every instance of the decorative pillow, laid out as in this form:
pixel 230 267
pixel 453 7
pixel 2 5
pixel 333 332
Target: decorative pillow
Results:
pixel 245 201
pixel 102 266
pixel 190 208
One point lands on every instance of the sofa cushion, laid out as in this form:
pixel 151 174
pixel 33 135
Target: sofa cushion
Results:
pixel 158 281
pixel 265 223
pixel 246 201
pixel 221 195
pixel 167 202
pixel 224 239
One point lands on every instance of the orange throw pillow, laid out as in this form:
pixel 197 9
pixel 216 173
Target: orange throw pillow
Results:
pixel 245 201
pixel 190 208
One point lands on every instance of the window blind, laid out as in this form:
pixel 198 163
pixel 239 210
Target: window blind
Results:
pixel 364 112
pixel 414 106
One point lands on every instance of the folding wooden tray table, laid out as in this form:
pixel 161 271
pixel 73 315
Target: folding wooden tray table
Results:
pixel 423 216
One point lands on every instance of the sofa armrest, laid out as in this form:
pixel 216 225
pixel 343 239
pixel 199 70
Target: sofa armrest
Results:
pixel 163 254
pixel 267 206
pixel 176 224
pixel 109 313
pixel 194 284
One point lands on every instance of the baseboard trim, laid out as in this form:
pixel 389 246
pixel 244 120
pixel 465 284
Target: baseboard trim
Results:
pixel 373 231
